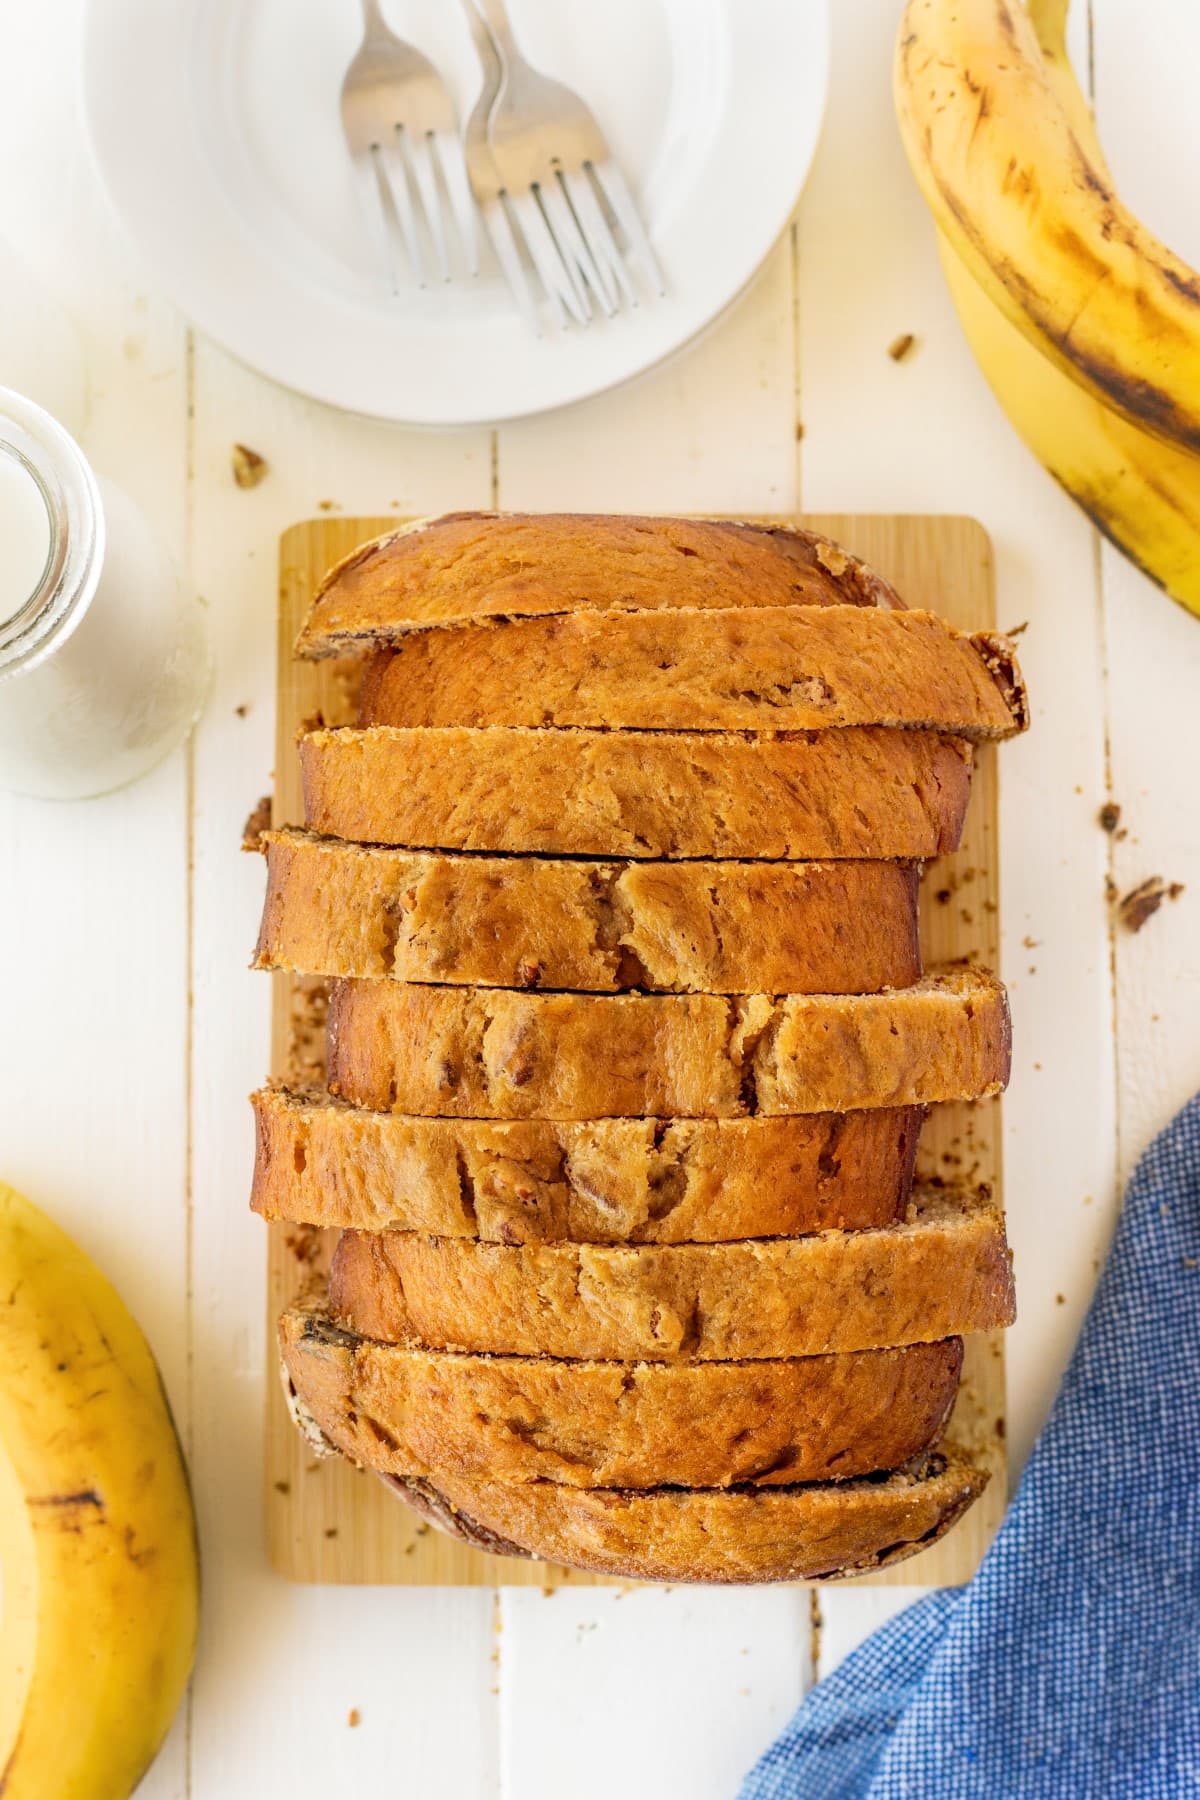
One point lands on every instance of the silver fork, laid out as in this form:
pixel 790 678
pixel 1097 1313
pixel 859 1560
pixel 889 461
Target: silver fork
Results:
pixel 549 151
pixel 400 128
pixel 487 188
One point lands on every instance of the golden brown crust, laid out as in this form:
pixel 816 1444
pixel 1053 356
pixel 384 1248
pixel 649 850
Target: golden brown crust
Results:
pixel 945 1271
pixel 857 792
pixel 680 1534
pixel 489 1053
pixel 334 908
pixel 404 1411
pixel 792 668
pixel 534 1181
pixel 475 565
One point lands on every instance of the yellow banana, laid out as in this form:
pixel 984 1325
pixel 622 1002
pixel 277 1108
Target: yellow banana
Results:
pixel 1142 494
pixel 97 1536
pixel 1031 213
pixel 1049 21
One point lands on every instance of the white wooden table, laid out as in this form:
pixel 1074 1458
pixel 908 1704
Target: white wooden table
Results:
pixel 133 1030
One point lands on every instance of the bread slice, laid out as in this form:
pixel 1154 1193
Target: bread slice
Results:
pixel 814 1533
pixel 943 1272
pixel 855 792
pixel 334 908
pixel 490 1053
pixel 599 1424
pixel 532 1181
pixel 780 668
pixel 463 566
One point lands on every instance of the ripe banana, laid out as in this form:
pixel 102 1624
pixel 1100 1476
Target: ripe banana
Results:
pixel 1141 493
pixel 97 1536
pixel 1033 215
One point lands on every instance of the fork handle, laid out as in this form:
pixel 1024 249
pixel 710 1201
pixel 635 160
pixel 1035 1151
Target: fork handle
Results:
pixel 485 46
pixel 496 14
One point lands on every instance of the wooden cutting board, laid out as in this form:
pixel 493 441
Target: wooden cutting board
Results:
pixel 327 1522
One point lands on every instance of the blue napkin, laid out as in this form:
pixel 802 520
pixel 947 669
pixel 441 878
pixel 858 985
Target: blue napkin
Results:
pixel 1069 1668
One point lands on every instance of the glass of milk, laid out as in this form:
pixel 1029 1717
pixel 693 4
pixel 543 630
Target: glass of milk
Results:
pixel 103 657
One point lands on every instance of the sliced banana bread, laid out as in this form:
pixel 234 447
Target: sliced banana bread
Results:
pixel 943 1272
pixel 855 792
pixel 462 566
pixel 532 1181
pixel 334 908
pixel 742 1535
pixel 784 668
pixel 489 1053
pixel 603 1424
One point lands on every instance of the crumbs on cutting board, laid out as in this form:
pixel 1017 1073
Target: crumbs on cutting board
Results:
pixel 902 347
pixel 353 1717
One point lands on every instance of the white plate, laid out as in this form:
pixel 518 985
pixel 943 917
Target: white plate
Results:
pixel 216 126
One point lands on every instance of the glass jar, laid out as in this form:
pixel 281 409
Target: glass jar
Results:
pixel 103 658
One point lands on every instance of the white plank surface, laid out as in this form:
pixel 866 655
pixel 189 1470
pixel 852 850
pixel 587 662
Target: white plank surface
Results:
pixel 1153 648
pixel 129 921
pixel 645 1692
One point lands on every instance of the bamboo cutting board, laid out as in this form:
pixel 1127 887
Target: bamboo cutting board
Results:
pixel 327 1522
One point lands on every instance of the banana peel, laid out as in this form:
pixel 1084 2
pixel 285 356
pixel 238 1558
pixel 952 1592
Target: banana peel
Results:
pixel 1141 488
pixel 1142 494
pixel 1006 170
pixel 97 1533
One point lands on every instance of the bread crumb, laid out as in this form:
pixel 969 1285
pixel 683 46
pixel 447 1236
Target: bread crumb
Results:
pixel 257 822
pixel 799 431
pixel 331 1531
pixel 329 505
pixel 1143 901
pixel 241 711
pixel 1109 816
pixel 902 347
pixel 1060 1299
pixel 1015 631
pixel 353 1718
pixel 249 468
pixel 283 1487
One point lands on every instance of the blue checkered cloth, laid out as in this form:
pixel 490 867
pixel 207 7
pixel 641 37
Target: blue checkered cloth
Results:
pixel 1069 1668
